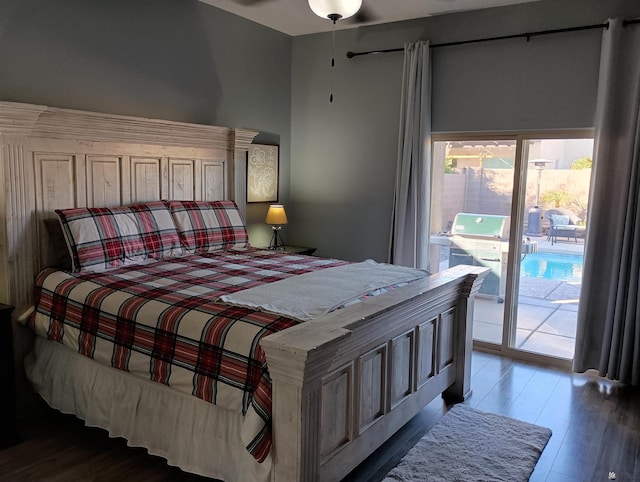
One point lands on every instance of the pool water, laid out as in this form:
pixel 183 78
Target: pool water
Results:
pixel 559 267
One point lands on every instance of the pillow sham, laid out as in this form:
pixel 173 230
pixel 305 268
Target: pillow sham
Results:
pixel 104 238
pixel 205 227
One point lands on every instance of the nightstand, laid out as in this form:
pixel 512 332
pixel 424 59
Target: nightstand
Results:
pixel 295 250
pixel 8 429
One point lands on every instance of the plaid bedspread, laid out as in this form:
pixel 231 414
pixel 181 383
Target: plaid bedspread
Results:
pixel 159 320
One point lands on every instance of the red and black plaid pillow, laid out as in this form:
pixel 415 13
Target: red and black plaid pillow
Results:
pixel 205 227
pixel 103 238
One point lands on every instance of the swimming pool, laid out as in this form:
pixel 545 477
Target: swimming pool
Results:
pixel 559 267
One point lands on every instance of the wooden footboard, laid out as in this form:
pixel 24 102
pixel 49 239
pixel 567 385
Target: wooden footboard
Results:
pixel 345 382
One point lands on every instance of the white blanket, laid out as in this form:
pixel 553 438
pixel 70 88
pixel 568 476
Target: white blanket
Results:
pixel 310 295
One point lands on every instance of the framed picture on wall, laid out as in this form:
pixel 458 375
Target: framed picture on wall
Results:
pixel 262 173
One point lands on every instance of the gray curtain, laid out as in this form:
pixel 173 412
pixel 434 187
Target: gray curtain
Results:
pixel 409 243
pixel 608 334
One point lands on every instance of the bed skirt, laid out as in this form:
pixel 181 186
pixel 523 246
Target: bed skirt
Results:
pixel 189 433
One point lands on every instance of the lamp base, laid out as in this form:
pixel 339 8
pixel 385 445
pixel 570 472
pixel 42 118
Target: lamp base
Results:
pixel 276 239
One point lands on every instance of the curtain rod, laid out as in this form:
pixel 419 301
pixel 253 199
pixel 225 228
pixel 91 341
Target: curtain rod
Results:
pixel 526 35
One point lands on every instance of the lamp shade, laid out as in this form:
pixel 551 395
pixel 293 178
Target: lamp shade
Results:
pixel 343 8
pixel 276 215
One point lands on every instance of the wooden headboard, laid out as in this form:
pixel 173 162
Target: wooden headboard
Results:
pixel 59 158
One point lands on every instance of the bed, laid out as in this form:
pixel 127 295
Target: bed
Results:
pixel 318 396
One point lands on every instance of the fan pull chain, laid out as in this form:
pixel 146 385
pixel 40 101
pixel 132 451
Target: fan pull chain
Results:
pixel 333 58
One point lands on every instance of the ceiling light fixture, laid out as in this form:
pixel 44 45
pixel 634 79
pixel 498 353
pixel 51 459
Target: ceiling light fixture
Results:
pixel 334 10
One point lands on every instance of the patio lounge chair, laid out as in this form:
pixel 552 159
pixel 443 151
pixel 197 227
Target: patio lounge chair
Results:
pixel 564 224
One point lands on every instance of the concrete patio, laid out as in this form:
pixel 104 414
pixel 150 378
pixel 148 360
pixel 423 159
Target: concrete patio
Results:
pixel 547 310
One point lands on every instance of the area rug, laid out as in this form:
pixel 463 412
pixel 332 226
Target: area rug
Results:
pixel 471 445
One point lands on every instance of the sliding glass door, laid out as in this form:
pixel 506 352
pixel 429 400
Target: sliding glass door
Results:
pixel 558 176
pixel 470 221
pixel 516 205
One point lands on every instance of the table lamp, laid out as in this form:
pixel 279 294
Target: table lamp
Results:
pixel 276 217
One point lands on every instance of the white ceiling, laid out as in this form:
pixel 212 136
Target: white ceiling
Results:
pixel 294 17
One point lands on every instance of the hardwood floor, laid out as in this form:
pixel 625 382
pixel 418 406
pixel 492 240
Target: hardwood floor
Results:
pixel 595 423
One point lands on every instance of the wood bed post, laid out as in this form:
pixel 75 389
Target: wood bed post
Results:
pixel 463 344
pixel 297 406
pixel 17 239
pixel 238 148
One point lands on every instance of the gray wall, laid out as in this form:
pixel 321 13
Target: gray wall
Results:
pixel 344 154
pixel 180 60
